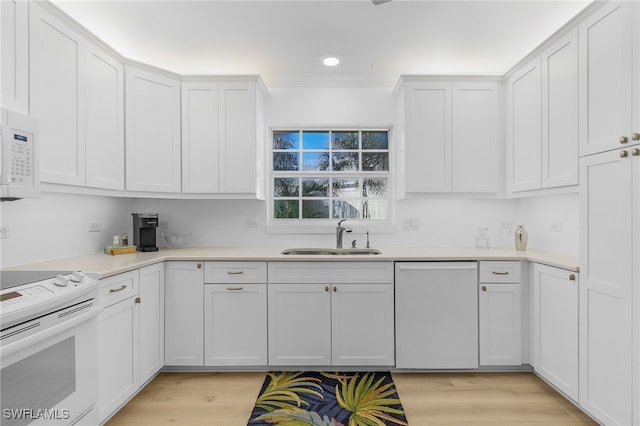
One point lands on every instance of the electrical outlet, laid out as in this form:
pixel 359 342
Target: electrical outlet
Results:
pixel 556 226
pixel 4 232
pixel 252 223
pixel 411 223
pixel 95 226
pixel 505 224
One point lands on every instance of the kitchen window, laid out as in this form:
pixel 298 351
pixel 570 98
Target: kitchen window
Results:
pixel 329 174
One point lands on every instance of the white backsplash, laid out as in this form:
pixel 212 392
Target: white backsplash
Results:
pixel 56 225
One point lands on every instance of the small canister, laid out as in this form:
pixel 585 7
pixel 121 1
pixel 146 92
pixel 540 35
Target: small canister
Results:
pixel 521 236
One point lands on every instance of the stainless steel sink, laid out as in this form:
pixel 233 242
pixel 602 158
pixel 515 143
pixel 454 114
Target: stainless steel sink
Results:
pixel 329 251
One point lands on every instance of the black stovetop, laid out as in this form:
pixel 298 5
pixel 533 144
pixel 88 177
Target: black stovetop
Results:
pixel 9 279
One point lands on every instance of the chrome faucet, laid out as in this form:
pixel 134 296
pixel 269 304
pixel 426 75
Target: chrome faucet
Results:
pixel 339 230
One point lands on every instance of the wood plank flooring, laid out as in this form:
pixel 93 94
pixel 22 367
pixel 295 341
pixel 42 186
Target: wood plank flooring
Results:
pixel 429 399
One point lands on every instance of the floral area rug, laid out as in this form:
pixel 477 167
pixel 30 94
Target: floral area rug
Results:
pixel 328 399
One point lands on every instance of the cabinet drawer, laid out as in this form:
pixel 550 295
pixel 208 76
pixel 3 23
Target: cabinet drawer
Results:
pixel 331 272
pixel 235 272
pixel 500 272
pixel 119 287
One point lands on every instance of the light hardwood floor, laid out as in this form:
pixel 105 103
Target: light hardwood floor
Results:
pixel 429 399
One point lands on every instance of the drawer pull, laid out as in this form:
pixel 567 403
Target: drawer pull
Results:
pixel 115 290
pixel 138 300
pixel 499 273
pixel 235 288
pixel 326 288
pixel 199 266
pixel 572 277
pixel 484 288
pixel 235 273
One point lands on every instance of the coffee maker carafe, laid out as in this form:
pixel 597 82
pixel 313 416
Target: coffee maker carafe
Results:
pixel 144 231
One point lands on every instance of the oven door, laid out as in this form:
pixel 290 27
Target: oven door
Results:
pixel 49 376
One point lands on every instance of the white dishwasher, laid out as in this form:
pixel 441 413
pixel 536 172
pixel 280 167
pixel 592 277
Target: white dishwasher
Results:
pixel 436 315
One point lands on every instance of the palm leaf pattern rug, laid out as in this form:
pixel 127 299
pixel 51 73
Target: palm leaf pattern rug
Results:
pixel 328 399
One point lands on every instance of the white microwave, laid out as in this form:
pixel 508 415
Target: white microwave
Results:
pixel 19 165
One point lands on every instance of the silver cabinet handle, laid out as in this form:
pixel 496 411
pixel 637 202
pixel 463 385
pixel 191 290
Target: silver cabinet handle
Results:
pixel 635 152
pixel 235 273
pixel 572 277
pixel 138 300
pixel 635 136
pixel 115 290
pixel 623 139
pixel 499 273
pixel 235 288
pixel 624 154
pixel 436 267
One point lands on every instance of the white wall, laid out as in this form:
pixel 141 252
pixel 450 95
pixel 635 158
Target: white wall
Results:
pixel 56 225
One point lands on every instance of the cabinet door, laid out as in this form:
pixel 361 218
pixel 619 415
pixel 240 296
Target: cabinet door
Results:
pixel 104 120
pixel 606 77
pixel 15 60
pixel 524 128
pixel 184 314
pixel 56 81
pixel 499 324
pixel 555 318
pixel 152 131
pixel 299 324
pixel 428 137
pixel 474 135
pixel 606 286
pixel 237 163
pixel 235 327
pixel 362 324
pixel 118 355
pixel 200 137
pixel 151 302
pixel 560 113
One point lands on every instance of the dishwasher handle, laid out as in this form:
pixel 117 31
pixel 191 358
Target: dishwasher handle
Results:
pixel 403 267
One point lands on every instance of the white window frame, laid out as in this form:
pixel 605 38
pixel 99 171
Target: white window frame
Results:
pixel 321 226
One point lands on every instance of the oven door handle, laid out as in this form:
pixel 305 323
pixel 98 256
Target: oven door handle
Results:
pixel 21 344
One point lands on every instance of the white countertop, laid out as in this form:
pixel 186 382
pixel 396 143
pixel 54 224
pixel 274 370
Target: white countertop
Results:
pixel 108 265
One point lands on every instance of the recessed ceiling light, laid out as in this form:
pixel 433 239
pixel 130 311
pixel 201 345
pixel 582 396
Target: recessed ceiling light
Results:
pixel 330 60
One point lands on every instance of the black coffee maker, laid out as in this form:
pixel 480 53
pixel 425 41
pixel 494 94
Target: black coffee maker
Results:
pixel 144 231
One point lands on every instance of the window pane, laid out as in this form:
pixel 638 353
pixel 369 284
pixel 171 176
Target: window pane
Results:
pixel 286 187
pixel 375 161
pixel 315 140
pixel 345 161
pixel 315 209
pixel 346 187
pixel 285 161
pixel 375 140
pixel 315 187
pixel 286 209
pixel 374 209
pixel 344 140
pixel 346 209
pixel 286 140
pixel 315 161
pixel 374 188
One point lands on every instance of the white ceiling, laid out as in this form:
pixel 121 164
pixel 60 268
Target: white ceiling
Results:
pixel 283 40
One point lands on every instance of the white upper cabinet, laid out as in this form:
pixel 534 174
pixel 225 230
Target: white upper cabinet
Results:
pixel 222 132
pixel 474 137
pixel 104 118
pixel 608 55
pixel 560 112
pixel 524 127
pixel 57 100
pixel 152 101
pixel 15 55
pixel 450 135
pixel 77 95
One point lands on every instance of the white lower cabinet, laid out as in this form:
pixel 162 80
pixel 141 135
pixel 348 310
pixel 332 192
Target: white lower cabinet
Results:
pixel 338 314
pixel 151 302
pixel 118 337
pixel 235 314
pixel 555 327
pixel 184 314
pixel 499 314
